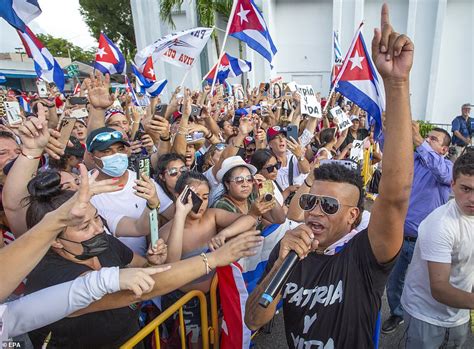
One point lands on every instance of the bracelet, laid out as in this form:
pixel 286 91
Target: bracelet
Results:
pixel 206 262
pixel 30 157
pixel 152 208
pixel 165 139
pixel 209 136
pixel 306 183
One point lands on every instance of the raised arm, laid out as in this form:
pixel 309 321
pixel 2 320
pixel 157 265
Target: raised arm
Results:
pixel 393 56
pixel 100 99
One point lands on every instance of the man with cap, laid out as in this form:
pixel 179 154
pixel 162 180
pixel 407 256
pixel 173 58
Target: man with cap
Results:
pixel 463 128
pixel 294 166
pixel 356 132
pixel 108 149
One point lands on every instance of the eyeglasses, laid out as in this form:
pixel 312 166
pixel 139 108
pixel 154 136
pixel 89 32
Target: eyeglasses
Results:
pixel 173 171
pixel 329 205
pixel 106 136
pixel 241 179
pixel 250 150
pixel 270 168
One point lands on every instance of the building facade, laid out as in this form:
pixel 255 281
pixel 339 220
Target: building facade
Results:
pixel 443 32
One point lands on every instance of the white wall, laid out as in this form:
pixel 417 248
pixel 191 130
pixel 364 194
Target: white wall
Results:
pixel 443 32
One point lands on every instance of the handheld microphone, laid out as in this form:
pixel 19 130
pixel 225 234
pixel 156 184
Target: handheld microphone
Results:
pixel 277 281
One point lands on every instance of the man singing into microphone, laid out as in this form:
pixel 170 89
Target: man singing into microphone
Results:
pixel 332 297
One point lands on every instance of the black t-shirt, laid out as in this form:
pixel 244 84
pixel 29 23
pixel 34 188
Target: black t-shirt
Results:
pixel 362 134
pixel 104 329
pixel 333 301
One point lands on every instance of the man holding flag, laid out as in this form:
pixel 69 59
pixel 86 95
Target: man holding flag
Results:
pixel 333 295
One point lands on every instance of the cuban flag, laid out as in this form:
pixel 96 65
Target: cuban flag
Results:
pixel 146 79
pixel 18 13
pixel 248 25
pixel 108 59
pixel 24 102
pixel 358 81
pixel 337 49
pixel 46 66
pixel 229 67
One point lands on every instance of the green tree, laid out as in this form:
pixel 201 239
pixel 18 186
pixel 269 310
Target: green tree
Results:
pixel 63 48
pixel 114 18
pixel 207 13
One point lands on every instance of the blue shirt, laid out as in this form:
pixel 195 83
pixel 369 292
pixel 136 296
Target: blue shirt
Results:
pixel 431 186
pixel 466 128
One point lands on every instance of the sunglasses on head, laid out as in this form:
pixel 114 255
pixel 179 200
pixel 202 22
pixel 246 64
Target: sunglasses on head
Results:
pixel 106 136
pixel 241 179
pixel 173 171
pixel 328 204
pixel 270 168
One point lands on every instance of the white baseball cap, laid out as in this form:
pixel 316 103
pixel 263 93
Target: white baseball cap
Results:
pixel 233 162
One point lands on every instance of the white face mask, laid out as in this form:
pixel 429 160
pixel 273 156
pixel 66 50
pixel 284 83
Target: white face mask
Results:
pixel 114 165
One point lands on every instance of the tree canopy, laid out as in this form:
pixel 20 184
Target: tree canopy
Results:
pixel 63 48
pixel 114 18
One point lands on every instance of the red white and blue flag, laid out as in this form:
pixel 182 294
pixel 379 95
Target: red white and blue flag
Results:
pixel 18 13
pixel 109 59
pixel 46 66
pixel 358 81
pixel 248 25
pixel 146 79
pixel 229 67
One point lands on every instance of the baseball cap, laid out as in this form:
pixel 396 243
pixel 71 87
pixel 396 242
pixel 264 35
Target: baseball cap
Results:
pixel 248 140
pixel 233 162
pixel 354 117
pixel 274 131
pixel 103 137
pixel 77 148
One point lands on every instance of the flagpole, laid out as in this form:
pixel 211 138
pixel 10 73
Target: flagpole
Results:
pixel 229 22
pixel 344 65
pixel 184 78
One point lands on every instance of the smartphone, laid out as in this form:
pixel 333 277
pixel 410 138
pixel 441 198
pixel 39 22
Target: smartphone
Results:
pixel 349 164
pixel 266 190
pixel 292 132
pixel 79 113
pixel 160 109
pixel 197 135
pixel 13 112
pixel 66 129
pixel 236 120
pixel 142 166
pixel 197 201
pixel 78 100
pixel 42 88
pixel 154 227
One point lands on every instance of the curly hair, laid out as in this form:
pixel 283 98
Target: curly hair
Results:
pixel 340 174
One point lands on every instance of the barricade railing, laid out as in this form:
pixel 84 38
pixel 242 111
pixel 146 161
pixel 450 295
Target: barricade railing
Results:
pixel 153 326
pixel 214 329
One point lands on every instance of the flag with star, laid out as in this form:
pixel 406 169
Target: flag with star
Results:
pixel 358 81
pixel 109 59
pixel 146 79
pixel 248 25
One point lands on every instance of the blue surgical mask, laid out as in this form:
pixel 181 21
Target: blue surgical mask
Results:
pixel 114 165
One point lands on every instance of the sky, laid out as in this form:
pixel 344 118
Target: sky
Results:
pixel 59 18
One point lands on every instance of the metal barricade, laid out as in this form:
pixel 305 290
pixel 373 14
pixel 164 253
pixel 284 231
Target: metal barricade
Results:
pixel 178 306
pixel 214 329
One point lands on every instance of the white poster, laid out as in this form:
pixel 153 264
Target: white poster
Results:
pixel 357 151
pixel 180 49
pixel 309 102
pixel 343 120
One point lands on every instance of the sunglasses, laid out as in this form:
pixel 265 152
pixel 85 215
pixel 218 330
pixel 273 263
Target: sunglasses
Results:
pixel 173 171
pixel 270 168
pixel 250 150
pixel 329 205
pixel 106 136
pixel 241 179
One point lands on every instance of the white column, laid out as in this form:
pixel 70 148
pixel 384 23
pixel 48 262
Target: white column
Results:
pixel 436 53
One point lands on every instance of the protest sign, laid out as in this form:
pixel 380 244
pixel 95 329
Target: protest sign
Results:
pixel 343 120
pixel 357 151
pixel 309 103
pixel 180 49
pixel 291 86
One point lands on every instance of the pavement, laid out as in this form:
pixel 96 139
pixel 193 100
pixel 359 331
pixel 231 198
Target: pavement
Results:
pixel 277 340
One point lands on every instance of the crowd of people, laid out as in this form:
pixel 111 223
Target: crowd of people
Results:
pixel 82 199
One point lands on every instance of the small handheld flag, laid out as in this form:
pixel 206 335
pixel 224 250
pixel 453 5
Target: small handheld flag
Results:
pixel 229 67
pixel 109 59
